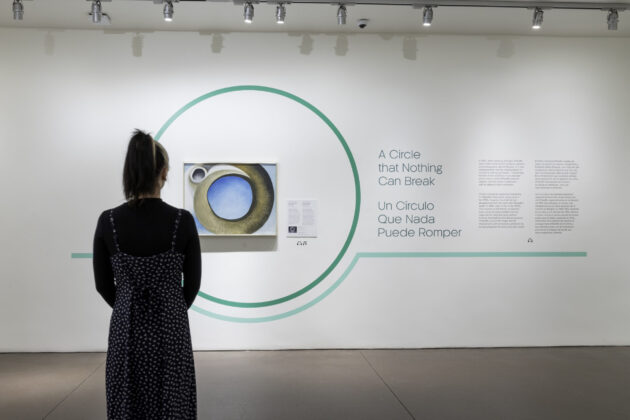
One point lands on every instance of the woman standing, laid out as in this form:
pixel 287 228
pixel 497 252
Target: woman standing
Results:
pixel 143 250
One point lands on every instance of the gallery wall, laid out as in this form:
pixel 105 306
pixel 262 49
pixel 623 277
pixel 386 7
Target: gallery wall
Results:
pixel 512 232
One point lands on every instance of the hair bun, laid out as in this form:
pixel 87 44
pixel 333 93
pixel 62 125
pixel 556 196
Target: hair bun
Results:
pixel 143 164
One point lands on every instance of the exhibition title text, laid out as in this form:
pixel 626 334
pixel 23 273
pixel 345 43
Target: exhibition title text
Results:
pixel 408 174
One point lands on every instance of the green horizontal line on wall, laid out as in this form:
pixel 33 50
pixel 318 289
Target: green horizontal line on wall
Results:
pixel 468 254
pixel 79 255
pixel 354 262
pixel 360 255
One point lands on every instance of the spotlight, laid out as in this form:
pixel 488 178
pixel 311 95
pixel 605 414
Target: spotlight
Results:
pixel 342 14
pixel 538 18
pixel 427 16
pixel 18 10
pixel 168 11
pixel 613 19
pixel 281 13
pixel 97 12
pixel 248 14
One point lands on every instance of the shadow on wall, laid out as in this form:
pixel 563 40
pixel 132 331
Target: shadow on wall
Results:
pixel 216 46
pixel 410 47
pixel 341 46
pixel 409 42
pixel 137 43
pixel 49 44
pixel 306 46
pixel 238 244
pixel 342 43
pixel 49 41
pixel 506 46
pixel 137 40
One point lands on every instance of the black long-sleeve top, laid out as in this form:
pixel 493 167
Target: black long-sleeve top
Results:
pixel 143 230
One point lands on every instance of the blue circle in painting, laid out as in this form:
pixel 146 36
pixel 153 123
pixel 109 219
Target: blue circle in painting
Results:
pixel 230 197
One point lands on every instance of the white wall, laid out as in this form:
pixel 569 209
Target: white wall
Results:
pixel 71 98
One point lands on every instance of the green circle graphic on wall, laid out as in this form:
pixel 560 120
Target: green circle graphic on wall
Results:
pixel 355 174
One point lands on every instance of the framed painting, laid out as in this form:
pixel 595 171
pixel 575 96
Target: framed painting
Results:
pixel 232 199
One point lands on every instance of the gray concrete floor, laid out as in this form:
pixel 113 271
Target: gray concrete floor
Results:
pixel 519 384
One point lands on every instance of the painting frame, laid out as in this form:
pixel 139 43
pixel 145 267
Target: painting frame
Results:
pixel 215 193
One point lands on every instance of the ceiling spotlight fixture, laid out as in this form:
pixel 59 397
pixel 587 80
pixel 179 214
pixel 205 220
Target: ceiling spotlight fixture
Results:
pixel 342 14
pixel 248 14
pixel 427 16
pixel 613 19
pixel 168 11
pixel 18 10
pixel 97 12
pixel 538 18
pixel 281 13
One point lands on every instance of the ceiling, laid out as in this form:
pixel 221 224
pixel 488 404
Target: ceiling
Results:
pixel 145 16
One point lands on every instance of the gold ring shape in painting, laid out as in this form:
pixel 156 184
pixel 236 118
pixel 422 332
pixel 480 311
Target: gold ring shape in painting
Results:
pixel 261 207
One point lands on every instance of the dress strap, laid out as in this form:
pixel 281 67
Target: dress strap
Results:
pixel 115 235
pixel 179 216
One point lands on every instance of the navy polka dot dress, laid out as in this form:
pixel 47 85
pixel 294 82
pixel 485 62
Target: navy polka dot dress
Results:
pixel 150 372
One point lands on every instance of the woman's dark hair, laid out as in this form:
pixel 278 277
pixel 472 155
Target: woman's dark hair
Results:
pixel 144 161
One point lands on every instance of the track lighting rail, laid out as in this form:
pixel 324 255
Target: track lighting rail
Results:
pixel 97 15
pixel 450 3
